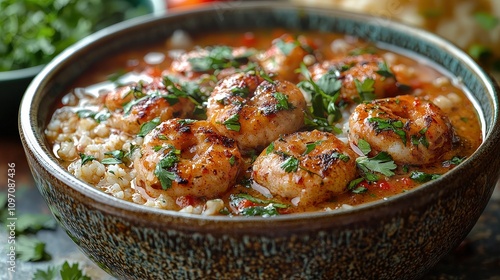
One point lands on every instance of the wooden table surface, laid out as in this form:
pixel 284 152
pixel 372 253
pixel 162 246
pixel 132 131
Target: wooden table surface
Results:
pixel 478 257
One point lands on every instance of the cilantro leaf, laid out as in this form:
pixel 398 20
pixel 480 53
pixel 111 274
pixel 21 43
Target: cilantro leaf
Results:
pixel 72 272
pixel 282 101
pixel 291 164
pixel 384 70
pixel 31 249
pixel 233 123
pixel 312 146
pixel 365 89
pixel 323 112
pixel 97 116
pixel 456 160
pixel 165 176
pixel 270 148
pixel 86 158
pixel 486 20
pixel 381 163
pixel 364 146
pixel 32 223
pixel 148 127
pixel 354 186
pixel 218 57
pixel 422 177
pixel 117 157
pixel 50 274
pixel 389 125
pixel 286 47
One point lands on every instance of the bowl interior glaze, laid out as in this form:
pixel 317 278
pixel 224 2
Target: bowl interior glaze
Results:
pixel 417 213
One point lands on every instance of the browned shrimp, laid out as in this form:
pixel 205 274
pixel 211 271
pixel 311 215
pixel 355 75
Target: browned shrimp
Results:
pixel 183 157
pixel 136 104
pixel 285 56
pixel 412 130
pixel 359 69
pixel 254 111
pixel 311 166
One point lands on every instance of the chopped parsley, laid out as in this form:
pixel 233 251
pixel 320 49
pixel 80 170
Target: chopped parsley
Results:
pixel 270 148
pixel 29 248
pixel 86 158
pixel 233 123
pixel 232 160
pixel 364 146
pixel 116 157
pixel 97 116
pixel 66 272
pixel 381 163
pixel 290 164
pixel 422 177
pixel 384 70
pixel 148 127
pixel 260 207
pixel 163 168
pixel 219 57
pixel 456 160
pixel 389 125
pixel 365 89
pixel 312 146
pixel 286 47
pixel 240 91
pixel 282 101
pixel 355 187
pixel 486 20
pixel 420 138
pixel 323 112
pixel 32 223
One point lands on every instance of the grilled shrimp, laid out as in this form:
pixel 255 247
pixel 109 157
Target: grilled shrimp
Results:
pixel 136 104
pixel 410 129
pixel 312 166
pixel 254 111
pixel 183 157
pixel 358 69
pixel 285 56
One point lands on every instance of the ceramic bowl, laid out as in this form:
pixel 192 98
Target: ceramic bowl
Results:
pixel 399 238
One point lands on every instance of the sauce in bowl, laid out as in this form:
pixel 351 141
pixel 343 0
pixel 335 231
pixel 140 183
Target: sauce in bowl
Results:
pixel 262 123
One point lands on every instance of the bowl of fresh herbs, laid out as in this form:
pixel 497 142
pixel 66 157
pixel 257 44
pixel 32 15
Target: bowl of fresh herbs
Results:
pixel 35 31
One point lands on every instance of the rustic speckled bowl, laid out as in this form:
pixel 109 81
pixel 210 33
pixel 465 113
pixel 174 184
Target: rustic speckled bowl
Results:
pixel 401 237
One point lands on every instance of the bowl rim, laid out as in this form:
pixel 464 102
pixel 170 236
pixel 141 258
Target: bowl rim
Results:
pixel 27 117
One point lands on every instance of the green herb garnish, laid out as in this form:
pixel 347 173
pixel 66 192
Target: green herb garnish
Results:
pixel 422 177
pixel 162 172
pixel 86 158
pixel 381 163
pixel 389 125
pixel 384 70
pixel 233 123
pixel 290 164
pixel 148 127
pixel 365 89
